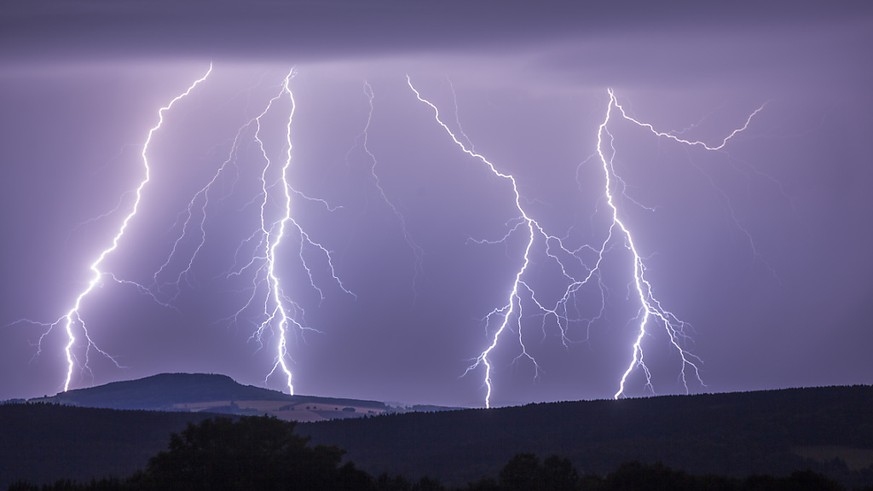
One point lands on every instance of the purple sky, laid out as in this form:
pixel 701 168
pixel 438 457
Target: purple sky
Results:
pixel 764 247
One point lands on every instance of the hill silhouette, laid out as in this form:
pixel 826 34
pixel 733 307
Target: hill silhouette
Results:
pixel 197 392
pixel 162 391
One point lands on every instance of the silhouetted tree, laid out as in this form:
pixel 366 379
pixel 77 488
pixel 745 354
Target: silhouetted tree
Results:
pixel 69 485
pixel 428 484
pixel 558 474
pixel 522 473
pixel 392 483
pixel 525 472
pixel 250 453
pixel 797 481
pixel 634 476
pixel 484 484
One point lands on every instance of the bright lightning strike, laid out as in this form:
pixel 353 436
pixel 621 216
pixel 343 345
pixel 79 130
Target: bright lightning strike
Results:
pixel 650 307
pixel 278 306
pixel 274 239
pixel 512 309
pixel 279 314
pixel 73 319
pixel 276 311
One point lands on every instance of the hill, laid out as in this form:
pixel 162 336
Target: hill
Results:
pixel 829 430
pixel 189 392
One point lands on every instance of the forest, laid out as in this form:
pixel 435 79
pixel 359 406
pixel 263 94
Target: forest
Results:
pixel 827 431
pixel 265 453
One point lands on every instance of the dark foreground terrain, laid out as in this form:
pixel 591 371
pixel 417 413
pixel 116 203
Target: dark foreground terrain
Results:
pixel 43 443
pixel 827 430
pixel 264 453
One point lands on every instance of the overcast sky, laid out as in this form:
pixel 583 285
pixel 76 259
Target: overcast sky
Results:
pixel 762 247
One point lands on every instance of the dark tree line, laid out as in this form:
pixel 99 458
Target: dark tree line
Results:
pixel 263 453
pixel 735 434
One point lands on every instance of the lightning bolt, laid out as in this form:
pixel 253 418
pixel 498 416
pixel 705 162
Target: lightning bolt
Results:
pixel 73 319
pixel 512 309
pixel 276 311
pixel 589 257
pixel 274 236
pixel 279 306
pixel 650 308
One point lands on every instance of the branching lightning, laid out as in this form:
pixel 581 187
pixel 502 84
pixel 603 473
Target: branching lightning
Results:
pixel 513 307
pixel 278 314
pixel 276 310
pixel 274 236
pixel 650 308
pixel 73 319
